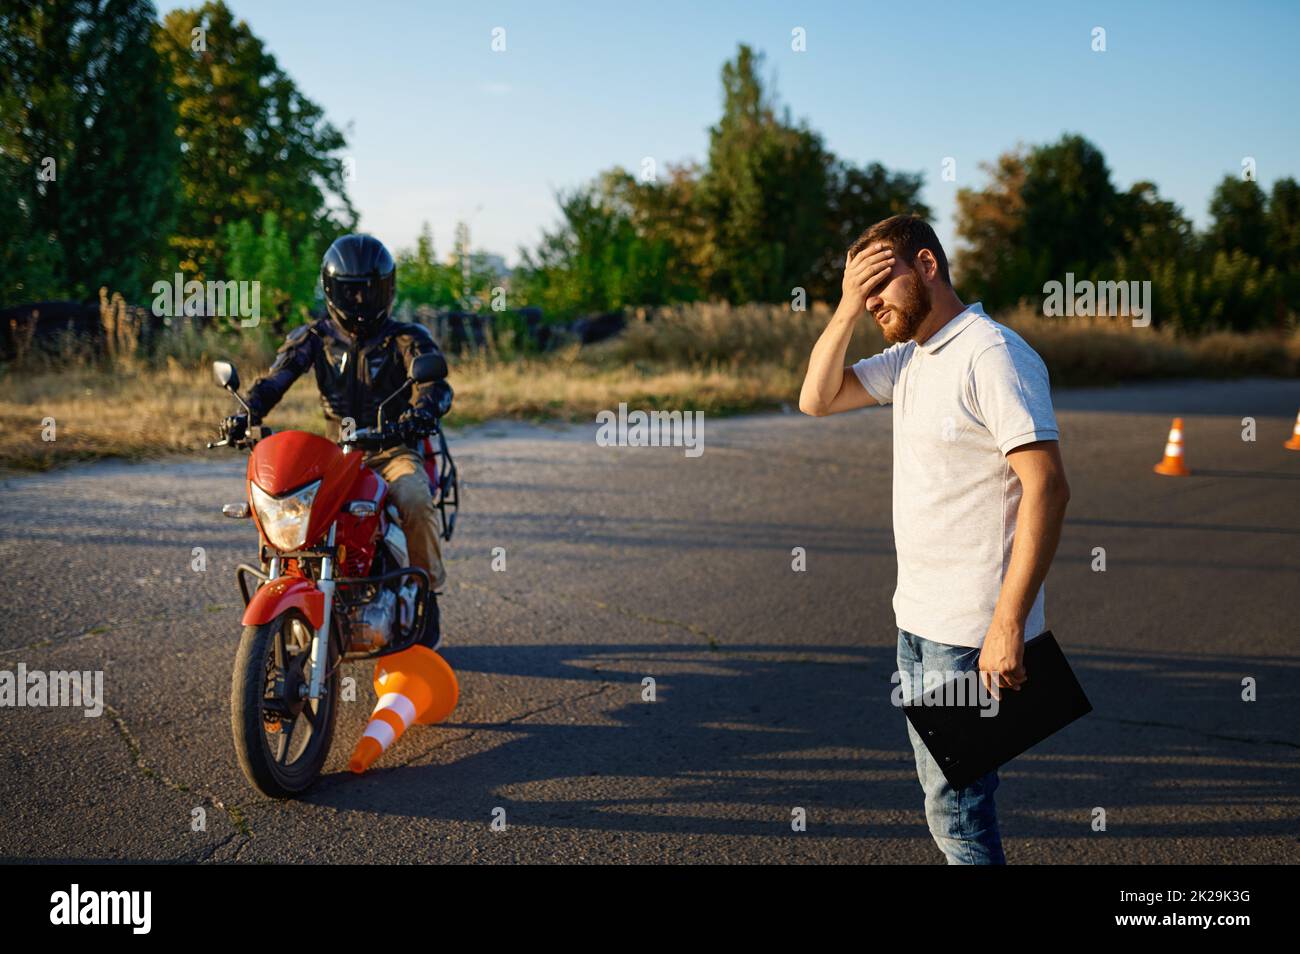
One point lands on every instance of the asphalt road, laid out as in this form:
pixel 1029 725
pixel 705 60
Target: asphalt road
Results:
pixel 772 685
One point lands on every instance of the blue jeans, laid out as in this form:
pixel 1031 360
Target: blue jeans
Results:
pixel 963 821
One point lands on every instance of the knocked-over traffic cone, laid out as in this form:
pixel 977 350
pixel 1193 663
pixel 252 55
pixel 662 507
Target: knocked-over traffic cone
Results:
pixel 415 685
pixel 1294 442
pixel 1173 465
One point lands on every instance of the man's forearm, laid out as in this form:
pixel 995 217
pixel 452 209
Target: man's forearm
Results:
pixel 1038 531
pixel 294 357
pixel 826 365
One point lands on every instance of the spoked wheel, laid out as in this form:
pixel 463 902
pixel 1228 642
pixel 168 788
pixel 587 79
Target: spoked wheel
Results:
pixel 281 737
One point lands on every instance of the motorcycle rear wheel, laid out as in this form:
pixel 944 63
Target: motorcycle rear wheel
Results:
pixel 281 738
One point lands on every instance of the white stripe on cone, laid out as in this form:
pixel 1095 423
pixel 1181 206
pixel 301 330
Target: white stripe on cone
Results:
pixel 381 732
pixel 401 705
pixel 379 729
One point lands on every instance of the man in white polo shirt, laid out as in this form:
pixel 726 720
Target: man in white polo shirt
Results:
pixel 979 488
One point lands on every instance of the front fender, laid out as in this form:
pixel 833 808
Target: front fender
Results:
pixel 286 593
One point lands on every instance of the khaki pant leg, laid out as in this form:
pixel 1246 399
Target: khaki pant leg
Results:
pixel 408 488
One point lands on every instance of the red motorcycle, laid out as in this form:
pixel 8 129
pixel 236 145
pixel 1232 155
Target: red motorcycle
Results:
pixel 333 583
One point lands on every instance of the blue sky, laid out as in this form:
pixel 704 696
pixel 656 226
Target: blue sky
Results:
pixel 442 128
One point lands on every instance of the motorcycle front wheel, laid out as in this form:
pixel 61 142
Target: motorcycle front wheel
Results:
pixel 281 738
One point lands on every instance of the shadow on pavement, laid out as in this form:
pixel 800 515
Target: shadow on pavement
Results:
pixel 731 748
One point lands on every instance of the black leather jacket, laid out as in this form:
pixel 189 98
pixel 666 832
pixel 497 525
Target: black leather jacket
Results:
pixel 354 377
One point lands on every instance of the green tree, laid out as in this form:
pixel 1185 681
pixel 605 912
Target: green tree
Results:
pixel 1284 224
pixel 1052 209
pixel 772 211
pixel 1153 229
pixel 858 197
pixel 764 194
pixel 1046 211
pixel 1159 244
pixel 1071 209
pixel 667 216
pixel 596 260
pixel 1226 291
pixel 287 280
pixel 993 263
pixel 87 154
pixel 422 279
pixel 1253 240
pixel 1284 243
pixel 1239 219
pixel 252 143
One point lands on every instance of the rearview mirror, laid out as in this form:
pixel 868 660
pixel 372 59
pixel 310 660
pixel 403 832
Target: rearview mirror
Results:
pixel 226 375
pixel 426 368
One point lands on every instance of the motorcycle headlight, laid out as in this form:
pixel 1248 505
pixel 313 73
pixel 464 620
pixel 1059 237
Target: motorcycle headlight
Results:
pixel 284 519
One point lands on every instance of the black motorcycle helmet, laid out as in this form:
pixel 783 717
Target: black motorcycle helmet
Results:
pixel 359 278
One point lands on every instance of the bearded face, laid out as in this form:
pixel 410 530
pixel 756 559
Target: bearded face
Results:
pixel 900 318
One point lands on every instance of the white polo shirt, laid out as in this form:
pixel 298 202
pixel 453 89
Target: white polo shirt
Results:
pixel 972 392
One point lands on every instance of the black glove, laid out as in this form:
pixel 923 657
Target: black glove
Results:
pixel 442 398
pixel 235 427
pixel 416 422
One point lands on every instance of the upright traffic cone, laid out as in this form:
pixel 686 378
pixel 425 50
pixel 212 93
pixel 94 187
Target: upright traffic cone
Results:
pixel 1173 465
pixel 415 685
pixel 1294 442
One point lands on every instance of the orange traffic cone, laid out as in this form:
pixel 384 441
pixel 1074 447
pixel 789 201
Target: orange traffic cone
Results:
pixel 415 685
pixel 1294 442
pixel 1173 465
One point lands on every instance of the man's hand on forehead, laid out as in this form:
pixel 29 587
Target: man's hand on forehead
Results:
pixel 871 247
pixel 866 272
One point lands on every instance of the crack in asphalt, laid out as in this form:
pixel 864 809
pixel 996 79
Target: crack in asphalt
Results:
pixel 212 850
pixel 243 829
pixel 233 812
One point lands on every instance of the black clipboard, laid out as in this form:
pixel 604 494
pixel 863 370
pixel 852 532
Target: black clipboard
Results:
pixel 967 743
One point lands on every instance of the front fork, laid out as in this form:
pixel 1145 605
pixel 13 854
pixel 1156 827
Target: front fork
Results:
pixel 320 644
pixel 320 640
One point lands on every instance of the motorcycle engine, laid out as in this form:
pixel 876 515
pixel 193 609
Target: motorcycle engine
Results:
pixel 406 605
pixel 371 624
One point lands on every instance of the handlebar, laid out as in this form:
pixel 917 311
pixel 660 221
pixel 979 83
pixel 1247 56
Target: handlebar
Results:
pixel 369 438
pixel 400 432
pixel 244 443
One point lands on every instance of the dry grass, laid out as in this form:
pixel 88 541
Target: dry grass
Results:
pixel 176 409
pixel 1080 351
pixel 731 337
pixel 713 358
pixel 575 387
pixel 121 414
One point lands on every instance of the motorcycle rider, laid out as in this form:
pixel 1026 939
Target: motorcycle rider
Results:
pixel 361 355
